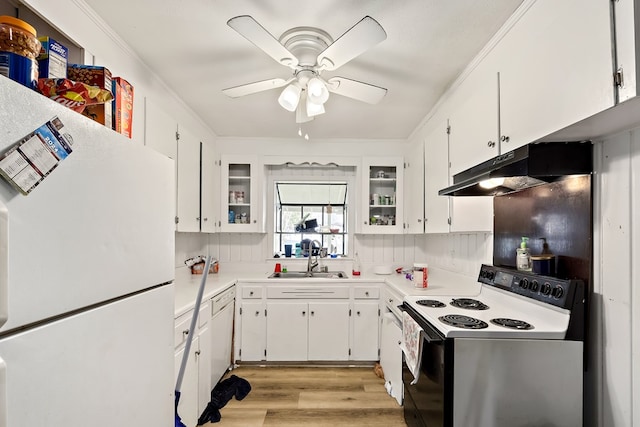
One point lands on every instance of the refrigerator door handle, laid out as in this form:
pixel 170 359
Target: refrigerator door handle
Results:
pixel 3 394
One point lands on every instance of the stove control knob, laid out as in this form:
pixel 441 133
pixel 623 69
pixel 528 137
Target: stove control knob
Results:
pixel 534 286
pixel 546 289
pixel 524 283
pixel 557 292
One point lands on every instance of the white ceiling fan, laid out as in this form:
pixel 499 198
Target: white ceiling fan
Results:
pixel 309 51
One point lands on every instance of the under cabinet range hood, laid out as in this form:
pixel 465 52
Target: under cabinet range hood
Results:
pixel 527 166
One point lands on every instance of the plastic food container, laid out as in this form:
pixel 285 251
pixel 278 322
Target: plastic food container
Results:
pixel 19 48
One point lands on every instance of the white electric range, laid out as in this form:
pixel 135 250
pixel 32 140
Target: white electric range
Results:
pixel 512 355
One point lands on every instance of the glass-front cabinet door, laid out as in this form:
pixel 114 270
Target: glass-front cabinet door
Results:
pixel 382 197
pixel 240 200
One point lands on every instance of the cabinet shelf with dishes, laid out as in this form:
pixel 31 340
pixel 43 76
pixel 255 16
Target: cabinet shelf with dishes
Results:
pixel 240 200
pixel 381 200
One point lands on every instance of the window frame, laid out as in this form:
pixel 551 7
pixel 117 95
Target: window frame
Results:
pixel 350 178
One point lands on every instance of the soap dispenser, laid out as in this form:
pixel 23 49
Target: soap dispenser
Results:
pixel 523 256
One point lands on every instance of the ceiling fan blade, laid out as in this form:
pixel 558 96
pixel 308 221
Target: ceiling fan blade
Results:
pixel 249 28
pixel 364 92
pixel 255 87
pixel 359 38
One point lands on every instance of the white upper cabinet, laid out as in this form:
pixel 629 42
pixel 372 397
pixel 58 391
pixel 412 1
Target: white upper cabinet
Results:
pixel 188 205
pixel 210 190
pixel 436 177
pixel 473 119
pixel 555 69
pixel 627 46
pixel 240 199
pixel 414 188
pixel 382 195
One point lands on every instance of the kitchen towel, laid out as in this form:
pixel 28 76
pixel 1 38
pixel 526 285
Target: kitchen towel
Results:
pixel 411 345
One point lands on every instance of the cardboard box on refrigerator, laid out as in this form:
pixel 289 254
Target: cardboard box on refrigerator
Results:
pixel 52 61
pixel 122 106
pixel 94 75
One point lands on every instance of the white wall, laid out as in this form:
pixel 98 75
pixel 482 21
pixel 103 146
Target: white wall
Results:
pixel 614 370
pixel 79 23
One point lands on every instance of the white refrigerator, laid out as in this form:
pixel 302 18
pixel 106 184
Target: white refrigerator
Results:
pixel 86 278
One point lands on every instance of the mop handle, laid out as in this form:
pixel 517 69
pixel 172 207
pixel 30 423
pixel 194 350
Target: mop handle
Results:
pixel 192 328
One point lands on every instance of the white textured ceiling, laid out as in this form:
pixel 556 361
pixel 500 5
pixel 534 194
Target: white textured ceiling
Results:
pixel 190 46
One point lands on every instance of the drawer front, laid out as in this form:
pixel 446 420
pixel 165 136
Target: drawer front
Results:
pixel 308 292
pixel 252 292
pixel 181 330
pixel 366 293
pixel 392 301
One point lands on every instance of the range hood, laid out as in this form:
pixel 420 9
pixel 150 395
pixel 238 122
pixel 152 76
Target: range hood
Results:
pixel 527 166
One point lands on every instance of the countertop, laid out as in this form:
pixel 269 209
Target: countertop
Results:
pixel 441 282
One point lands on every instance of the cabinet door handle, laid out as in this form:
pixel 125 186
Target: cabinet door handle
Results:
pixel 198 219
pixel 366 293
pixel 257 313
pixel 313 312
pixel 304 313
pixel 251 293
pixel 358 313
pixel 491 144
pixel 504 138
pixel 185 332
pixel 197 353
pixel 390 300
pixel 206 219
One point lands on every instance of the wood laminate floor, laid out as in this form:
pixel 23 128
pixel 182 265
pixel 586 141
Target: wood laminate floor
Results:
pixel 311 397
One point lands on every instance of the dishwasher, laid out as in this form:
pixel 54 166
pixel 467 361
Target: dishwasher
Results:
pixel 222 310
pixel 390 352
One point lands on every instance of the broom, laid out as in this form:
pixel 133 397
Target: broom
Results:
pixel 187 348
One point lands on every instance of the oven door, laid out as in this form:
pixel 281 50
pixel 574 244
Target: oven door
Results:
pixel 429 401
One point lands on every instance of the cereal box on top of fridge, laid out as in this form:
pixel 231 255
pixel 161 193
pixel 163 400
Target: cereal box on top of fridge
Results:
pixel 94 75
pixel 90 74
pixel 52 60
pixel 122 106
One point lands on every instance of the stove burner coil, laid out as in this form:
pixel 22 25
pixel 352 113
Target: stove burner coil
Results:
pixel 469 304
pixel 464 322
pixel 431 303
pixel 512 323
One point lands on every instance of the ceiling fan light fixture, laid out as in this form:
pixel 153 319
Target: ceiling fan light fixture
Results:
pixel 317 91
pixel 314 109
pixel 290 97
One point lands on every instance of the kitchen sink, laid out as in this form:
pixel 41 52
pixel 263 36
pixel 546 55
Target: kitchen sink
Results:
pixel 309 275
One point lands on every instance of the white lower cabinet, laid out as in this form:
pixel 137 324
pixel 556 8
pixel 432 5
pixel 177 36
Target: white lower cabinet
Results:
pixel 196 383
pixel 328 331
pixel 299 331
pixel 253 324
pixel 287 330
pixel 307 323
pixel 365 331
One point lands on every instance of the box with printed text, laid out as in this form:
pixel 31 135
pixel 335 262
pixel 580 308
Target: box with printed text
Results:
pixel 122 106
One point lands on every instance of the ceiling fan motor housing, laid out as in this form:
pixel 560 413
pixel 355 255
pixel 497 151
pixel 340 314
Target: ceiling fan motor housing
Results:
pixel 306 43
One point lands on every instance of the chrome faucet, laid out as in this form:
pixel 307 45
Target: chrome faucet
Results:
pixel 313 264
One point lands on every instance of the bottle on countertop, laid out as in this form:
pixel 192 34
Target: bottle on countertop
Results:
pixel 523 256
pixel 356 265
